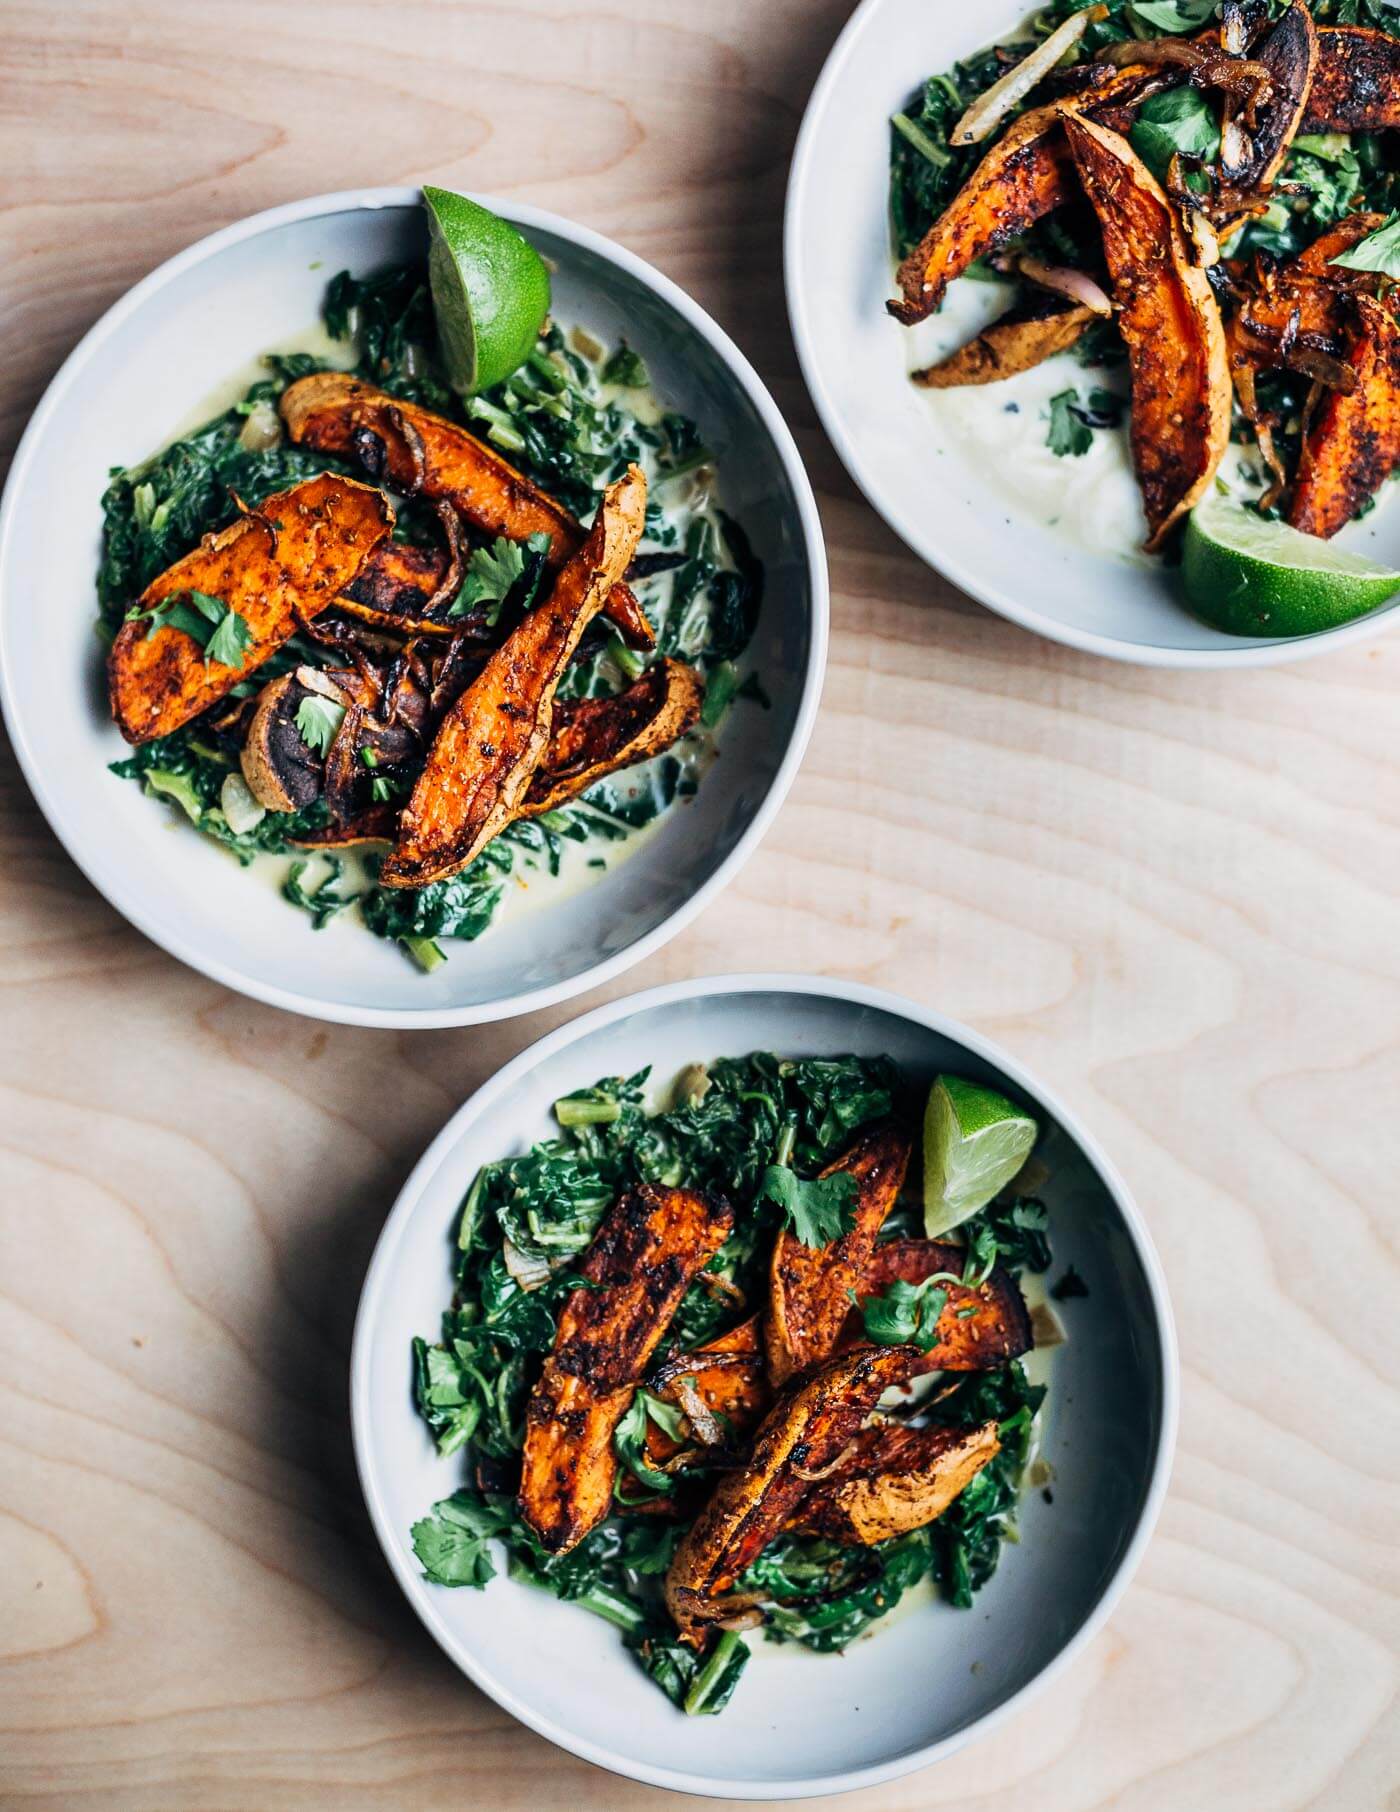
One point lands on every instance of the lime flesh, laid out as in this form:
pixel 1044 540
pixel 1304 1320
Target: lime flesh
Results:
pixel 1251 577
pixel 490 291
pixel 975 1141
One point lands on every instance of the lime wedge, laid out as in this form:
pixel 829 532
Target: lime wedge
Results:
pixel 1251 577
pixel 490 291
pixel 974 1143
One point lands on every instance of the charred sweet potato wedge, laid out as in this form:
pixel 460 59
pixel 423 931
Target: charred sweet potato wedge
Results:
pixel 978 1329
pixel 1356 85
pixel 640 1264
pixel 809 1287
pixel 1023 338
pixel 276 566
pixel 1027 173
pixel 425 454
pixel 803 1434
pixel 895 1479
pixel 1170 322
pixel 594 737
pixel 493 738
pixel 1351 445
pixel 1289 54
pixel 393 587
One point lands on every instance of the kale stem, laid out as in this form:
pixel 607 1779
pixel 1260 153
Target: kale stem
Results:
pixel 612 1607
pixel 573 1111
pixel 711 1673
pixel 787 1138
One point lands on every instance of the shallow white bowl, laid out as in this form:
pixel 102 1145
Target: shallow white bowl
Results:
pixel 933 1679
pixel 965 522
pixel 152 362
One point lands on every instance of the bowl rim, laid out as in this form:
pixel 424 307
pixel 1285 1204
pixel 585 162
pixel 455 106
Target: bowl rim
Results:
pixel 1249 653
pixel 115 879
pixel 499 1086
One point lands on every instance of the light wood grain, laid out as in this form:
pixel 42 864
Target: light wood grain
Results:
pixel 1174 896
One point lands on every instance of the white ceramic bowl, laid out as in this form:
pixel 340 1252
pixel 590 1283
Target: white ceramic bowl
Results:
pixel 139 377
pixel 963 517
pixel 934 1678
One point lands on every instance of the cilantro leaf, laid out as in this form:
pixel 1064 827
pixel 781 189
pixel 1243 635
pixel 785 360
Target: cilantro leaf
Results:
pixel 230 641
pixel 1378 251
pixel 318 719
pixel 1179 120
pixel 213 625
pixel 906 1314
pixel 451 1542
pixel 492 573
pixel 1068 433
pixel 1173 15
pixel 630 1436
pixel 818 1211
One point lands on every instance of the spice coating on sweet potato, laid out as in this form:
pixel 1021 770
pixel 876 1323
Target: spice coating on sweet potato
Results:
pixel 392 587
pixel 640 1264
pixel 729 1376
pixel 494 736
pixel 432 457
pixel 280 564
pixel 895 1479
pixel 1020 340
pixel 1352 442
pixel 1170 323
pixel 804 1433
pixel 1356 85
pixel 810 1286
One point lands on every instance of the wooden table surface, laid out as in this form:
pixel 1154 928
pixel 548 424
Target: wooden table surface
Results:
pixel 1173 895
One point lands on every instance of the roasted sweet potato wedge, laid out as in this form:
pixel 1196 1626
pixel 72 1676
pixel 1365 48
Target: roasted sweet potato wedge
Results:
pixel 1023 337
pixel 640 1264
pixel 809 1287
pixel 594 737
pixel 1170 322
pixel 1289 53
pixel 1027 173
pixel 804 1433
pixel 423 453
pixel 393 587
pixel 493 738
pixel 978 1329
pixel 729 1377
pixel 275 566
pixel 1351 445
pixel 1356 85
pixel 895 1479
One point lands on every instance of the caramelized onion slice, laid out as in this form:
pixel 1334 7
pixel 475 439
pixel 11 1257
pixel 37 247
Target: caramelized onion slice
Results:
pixel 988 111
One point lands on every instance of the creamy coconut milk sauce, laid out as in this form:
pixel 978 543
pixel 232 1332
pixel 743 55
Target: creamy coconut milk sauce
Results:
pixel 1001 430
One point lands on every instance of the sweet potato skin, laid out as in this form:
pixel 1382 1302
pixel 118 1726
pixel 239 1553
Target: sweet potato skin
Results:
pixel 283 561
pixel 641 1262
pixel 595 737
pixel 492 739
pixel 897 1479
pixel 329 410
pixel 1171 324
pixel 1356 85
pixel 1017 342
pixel 804 1432
pixel 1352 443
pixel 809 1288
pixel 1289 53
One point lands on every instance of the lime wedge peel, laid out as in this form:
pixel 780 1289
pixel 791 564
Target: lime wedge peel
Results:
pixel 490 291
pixel 975 1141
pixel 1251 577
